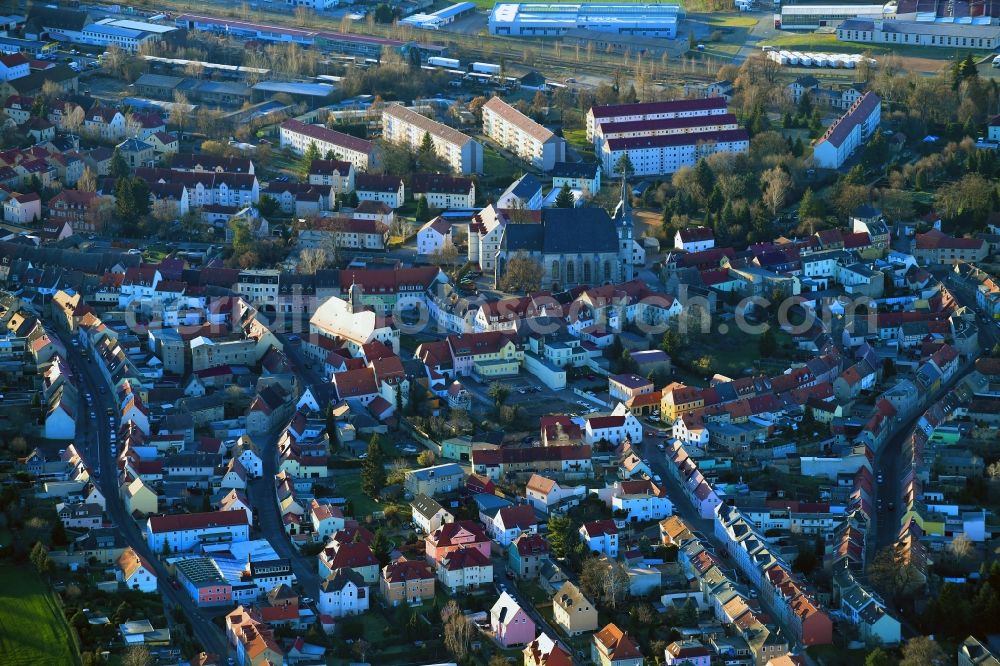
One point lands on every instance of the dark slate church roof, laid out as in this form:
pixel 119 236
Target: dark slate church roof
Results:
pixel 564 231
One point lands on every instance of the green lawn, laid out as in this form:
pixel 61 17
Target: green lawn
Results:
pixel 33 631
pixel 349 487
pixel 577 138
pixel 728 21
pixel 719 50
pixel 498 169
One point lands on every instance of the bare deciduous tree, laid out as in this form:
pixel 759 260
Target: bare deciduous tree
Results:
pixel 777 184
pixel 457 630
pixel 312 259
pixel 137 655
pixel 961 547
pixel 87 181
pixel 522 273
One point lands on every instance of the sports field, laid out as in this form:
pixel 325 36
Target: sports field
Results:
pixel 33 631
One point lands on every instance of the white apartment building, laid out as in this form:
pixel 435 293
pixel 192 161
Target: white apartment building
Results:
pixel 443 191
pixel 637 129
pixel 298 135
pixel 678 108
pixel 521 135
pixel 849 132
pixel 665 154
pixel 405 126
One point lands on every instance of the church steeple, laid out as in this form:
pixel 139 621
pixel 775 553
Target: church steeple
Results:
pixel 623 225
pixel 354 297
pixel 623 211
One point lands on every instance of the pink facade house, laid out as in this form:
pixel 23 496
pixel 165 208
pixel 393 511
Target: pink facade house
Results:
pixel 510 624
pixel 452 536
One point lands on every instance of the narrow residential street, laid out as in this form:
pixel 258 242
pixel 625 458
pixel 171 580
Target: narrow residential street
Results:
pixel 684 507
pixel 261 491
pixel 262 497
pixel 503 584
pixel 97 450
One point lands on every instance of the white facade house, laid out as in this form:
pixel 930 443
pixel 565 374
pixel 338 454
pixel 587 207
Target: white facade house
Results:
pixel 442 191
pixel 582 177
pixel 694 239
pixel 511 129
pixel 182 532
pixel 510 522
pixel 525 193
pixel 678 108
pixel 343 593
pixel 601 536
pixel 919 33
pixel 641 500
pixel 404 126
pixel 374 187
pixel 428 515
pixel 105 123
pixel 433 236
pixel 485 234
pixel 13 66
pixel 135 572
pixel 620 425
pixel 849 132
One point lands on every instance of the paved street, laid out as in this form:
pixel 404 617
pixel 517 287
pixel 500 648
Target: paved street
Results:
pixel 510 586
pixel 261 494
pixel 261 491
pixel 684 508
pixel 894 456
pixel 96 437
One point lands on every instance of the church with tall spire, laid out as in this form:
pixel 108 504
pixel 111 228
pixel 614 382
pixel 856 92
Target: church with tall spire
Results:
pixel 575 246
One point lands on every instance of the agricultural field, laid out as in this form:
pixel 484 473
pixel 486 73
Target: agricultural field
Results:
pixel 33 631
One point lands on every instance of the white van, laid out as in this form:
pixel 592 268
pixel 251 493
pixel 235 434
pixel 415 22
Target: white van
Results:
pixel 996 61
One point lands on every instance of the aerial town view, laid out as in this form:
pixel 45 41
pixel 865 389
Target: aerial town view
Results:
pixel 554 333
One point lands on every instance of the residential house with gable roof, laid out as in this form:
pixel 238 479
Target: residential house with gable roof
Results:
pixel 406 581
pixel 526 554
pixel 614 647
pixel 548 495
pixel 465 570
pixel 343 593
pixel 544 651
pixel 453 536
pixel 443 191
pixel 104 123
pixel 135 572
pixel 572 612
pixel 600 536
pixel 510 624
pixel 509 522
pixel 428 515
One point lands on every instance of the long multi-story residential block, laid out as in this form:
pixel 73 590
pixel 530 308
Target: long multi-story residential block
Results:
pixel 678 108
pixel 298 135
pixel 662 137
pixel 521 135
pixel 849 132
pixel 406 126
pixel 666 154
pixel 637 129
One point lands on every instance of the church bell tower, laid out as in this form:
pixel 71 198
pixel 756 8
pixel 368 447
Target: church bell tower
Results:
pixel 624 227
